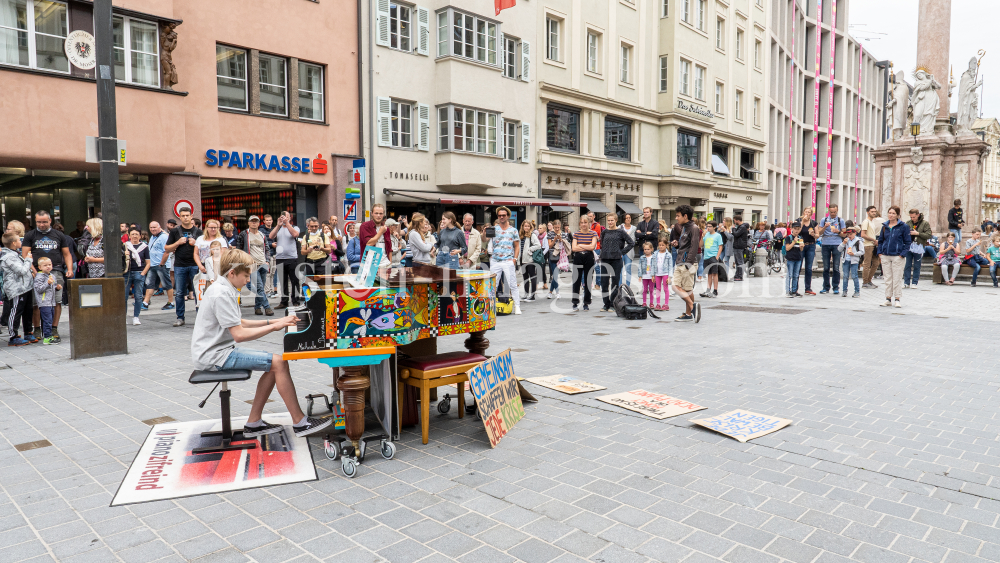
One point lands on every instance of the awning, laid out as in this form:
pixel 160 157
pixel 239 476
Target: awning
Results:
pixel 594 205
pixel 719 165
pixel 628 207
pixel 459 200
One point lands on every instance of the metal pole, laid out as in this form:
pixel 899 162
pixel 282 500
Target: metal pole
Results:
pixel 107 142
pixel 370 163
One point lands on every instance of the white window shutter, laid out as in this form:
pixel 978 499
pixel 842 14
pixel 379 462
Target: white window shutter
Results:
pixel 382 22
pixel 424 127
pixel 502 144
pixel 525 60
pixel 423 31
pixel 384 117
pixel 525 143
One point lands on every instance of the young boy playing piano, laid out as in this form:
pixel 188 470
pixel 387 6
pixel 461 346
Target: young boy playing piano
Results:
pixel 213 346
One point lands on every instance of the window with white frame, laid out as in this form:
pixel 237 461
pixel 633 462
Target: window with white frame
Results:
pixel 310 92
pixel 699 82
pixel 552 26
pixel 401 124
pixel 472 37
pixel 33 33
pixel 136 54
pixel 593 51
pixel 756 54
pixel 720 28
pixel 665 8
pixel 739 44
pixel 756 111
pixel 510 145
pixel 399 26
pixel 702 18
pixel 468 130
pixel 720 98
pixel 273 86
pixel 663 73
pixel 685 77
pixel 442 38
pixel 686 10
pixel 510 57
pixel 231 77
pixel 626 75
pixel 739 106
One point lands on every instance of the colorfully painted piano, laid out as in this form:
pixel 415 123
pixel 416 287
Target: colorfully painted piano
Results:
pixel 348 329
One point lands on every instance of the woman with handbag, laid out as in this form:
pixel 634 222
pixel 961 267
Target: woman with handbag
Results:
pixel 530 260
pixel 559 253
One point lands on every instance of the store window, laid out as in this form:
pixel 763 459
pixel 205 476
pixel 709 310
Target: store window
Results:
pixel 231 77
pixel 473 37
pixel 399 26
pixel 136 51
pixel 688 149
pixel 310 92
pixel 32 34
pixel 474 131
pixel 273 85
pixel 617 138
pixel 562 128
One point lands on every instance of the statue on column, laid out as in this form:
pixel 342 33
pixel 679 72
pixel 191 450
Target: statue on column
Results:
pixel 926 103
pixel 968 101
pixel 168 42
pixel 900 106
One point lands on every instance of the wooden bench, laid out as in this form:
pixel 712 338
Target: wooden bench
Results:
pixel 964 270
pixel 429 372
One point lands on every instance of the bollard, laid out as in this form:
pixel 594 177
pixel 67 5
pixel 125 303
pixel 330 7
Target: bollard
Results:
pixel 760 263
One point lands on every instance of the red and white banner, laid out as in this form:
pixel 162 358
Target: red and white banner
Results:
pixel 829 119
pixel 819 42
pixel 791 114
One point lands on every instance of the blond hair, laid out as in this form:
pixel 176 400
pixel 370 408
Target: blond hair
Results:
pixel 17 227
pixel 235 260
pixel 96 227
pixel 44 259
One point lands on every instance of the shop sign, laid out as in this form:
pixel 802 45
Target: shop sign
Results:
pixel 80 50
pixel 695 109
pixel 358 171
pixel 720 195
pixel 408 176
pixel 257 161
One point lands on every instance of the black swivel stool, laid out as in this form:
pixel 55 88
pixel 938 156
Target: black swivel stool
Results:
pixel 222 377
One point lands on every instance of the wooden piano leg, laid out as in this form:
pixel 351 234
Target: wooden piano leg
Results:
pixel 477 343
pixel 353 383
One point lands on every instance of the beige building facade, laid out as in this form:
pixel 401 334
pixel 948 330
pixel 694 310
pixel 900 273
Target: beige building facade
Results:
pixel 988 129
pixel 652 103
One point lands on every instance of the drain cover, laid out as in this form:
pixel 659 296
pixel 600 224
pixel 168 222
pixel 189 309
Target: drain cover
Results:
pixel 748 309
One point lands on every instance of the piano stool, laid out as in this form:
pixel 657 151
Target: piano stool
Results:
pixel 429 372
pixel 222 377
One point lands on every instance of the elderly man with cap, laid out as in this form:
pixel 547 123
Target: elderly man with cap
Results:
pixel 254 242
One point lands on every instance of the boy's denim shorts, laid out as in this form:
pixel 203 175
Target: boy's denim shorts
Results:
pixel 244 358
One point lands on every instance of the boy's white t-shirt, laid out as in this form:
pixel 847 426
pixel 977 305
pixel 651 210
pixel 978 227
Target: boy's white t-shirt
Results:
pixel 218 311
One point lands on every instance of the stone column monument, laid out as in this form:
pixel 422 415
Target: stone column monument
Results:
pixel 942 164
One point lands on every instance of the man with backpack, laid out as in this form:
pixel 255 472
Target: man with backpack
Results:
pixel 740 234
pixel 831 226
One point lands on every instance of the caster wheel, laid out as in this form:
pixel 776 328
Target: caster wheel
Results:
pixel 388 450
pixel 444 405
pixel 332 452
pixel 349 466
pixel 309 407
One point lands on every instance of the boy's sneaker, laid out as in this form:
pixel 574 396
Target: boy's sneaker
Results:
pixel 265 428
pixel 312 426
pixel 135 321
pixel 17 341
pixel 158 292
pixel 167 307
pixel 32 339
pixel 586 307
pixel 145 306
pixel 684 319
pixel 836 291
pixel 47 340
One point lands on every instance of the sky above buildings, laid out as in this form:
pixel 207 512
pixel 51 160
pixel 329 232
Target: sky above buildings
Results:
pixel 888 30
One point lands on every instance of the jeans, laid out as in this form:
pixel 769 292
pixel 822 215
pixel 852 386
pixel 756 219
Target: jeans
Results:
pixel 611 278
pixel 554 274
pixel 792 283
pixel 911 272
pixel 507 272
pixel 243 358
pixel 627 266
pixel 447 261
pixel 257 283
pixel 583 263
pixel 930 252
pixel 136 283
pixel 831 257
pixel 993 272
pixel 958 234
pixel 158 273
pixel 977 262
pixel 184 278
pixel 738 254
pixel 808 257
pixel 531 273
pixel 597 257
pixel 46 314
pixel 701 265
pixel 851 273
pixel 289 283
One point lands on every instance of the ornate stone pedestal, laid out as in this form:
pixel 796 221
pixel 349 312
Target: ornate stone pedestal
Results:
pixel 928 173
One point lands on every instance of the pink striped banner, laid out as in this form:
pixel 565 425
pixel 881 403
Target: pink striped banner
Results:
pixel 829 119
pixel 819 41
pixel 791 113
pixel 857 135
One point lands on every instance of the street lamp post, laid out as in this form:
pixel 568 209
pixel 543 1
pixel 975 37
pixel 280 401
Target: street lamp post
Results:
pixel 107 143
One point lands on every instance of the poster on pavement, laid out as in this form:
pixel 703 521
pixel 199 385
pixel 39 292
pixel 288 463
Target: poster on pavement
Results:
pixel 495 387
pixel 743 425
pixel 565 384
pixel 655 405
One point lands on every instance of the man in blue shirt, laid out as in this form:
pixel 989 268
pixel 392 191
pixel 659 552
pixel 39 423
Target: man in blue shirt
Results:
pixel 158 270
pixel 504 250
pixel 831 226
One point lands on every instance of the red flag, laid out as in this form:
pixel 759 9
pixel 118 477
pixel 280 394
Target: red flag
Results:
pixel 504 4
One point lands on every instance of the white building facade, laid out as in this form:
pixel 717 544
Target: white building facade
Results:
pixel 988 129
pixel 791 99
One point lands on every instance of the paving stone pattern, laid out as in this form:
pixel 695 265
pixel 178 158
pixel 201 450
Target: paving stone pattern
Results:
pixel 892 457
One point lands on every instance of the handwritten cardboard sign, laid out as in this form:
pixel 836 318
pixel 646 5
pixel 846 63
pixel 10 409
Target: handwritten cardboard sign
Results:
pixel 655 405
pixel 743 425
pixel 496 390
pixel 565 384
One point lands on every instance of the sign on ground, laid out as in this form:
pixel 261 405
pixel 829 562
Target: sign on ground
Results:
pixel 743 425
pixel 565 384
pixel 655 405
pixel 497 397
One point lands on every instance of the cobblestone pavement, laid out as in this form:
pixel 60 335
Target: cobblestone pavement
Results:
pixel 892 457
